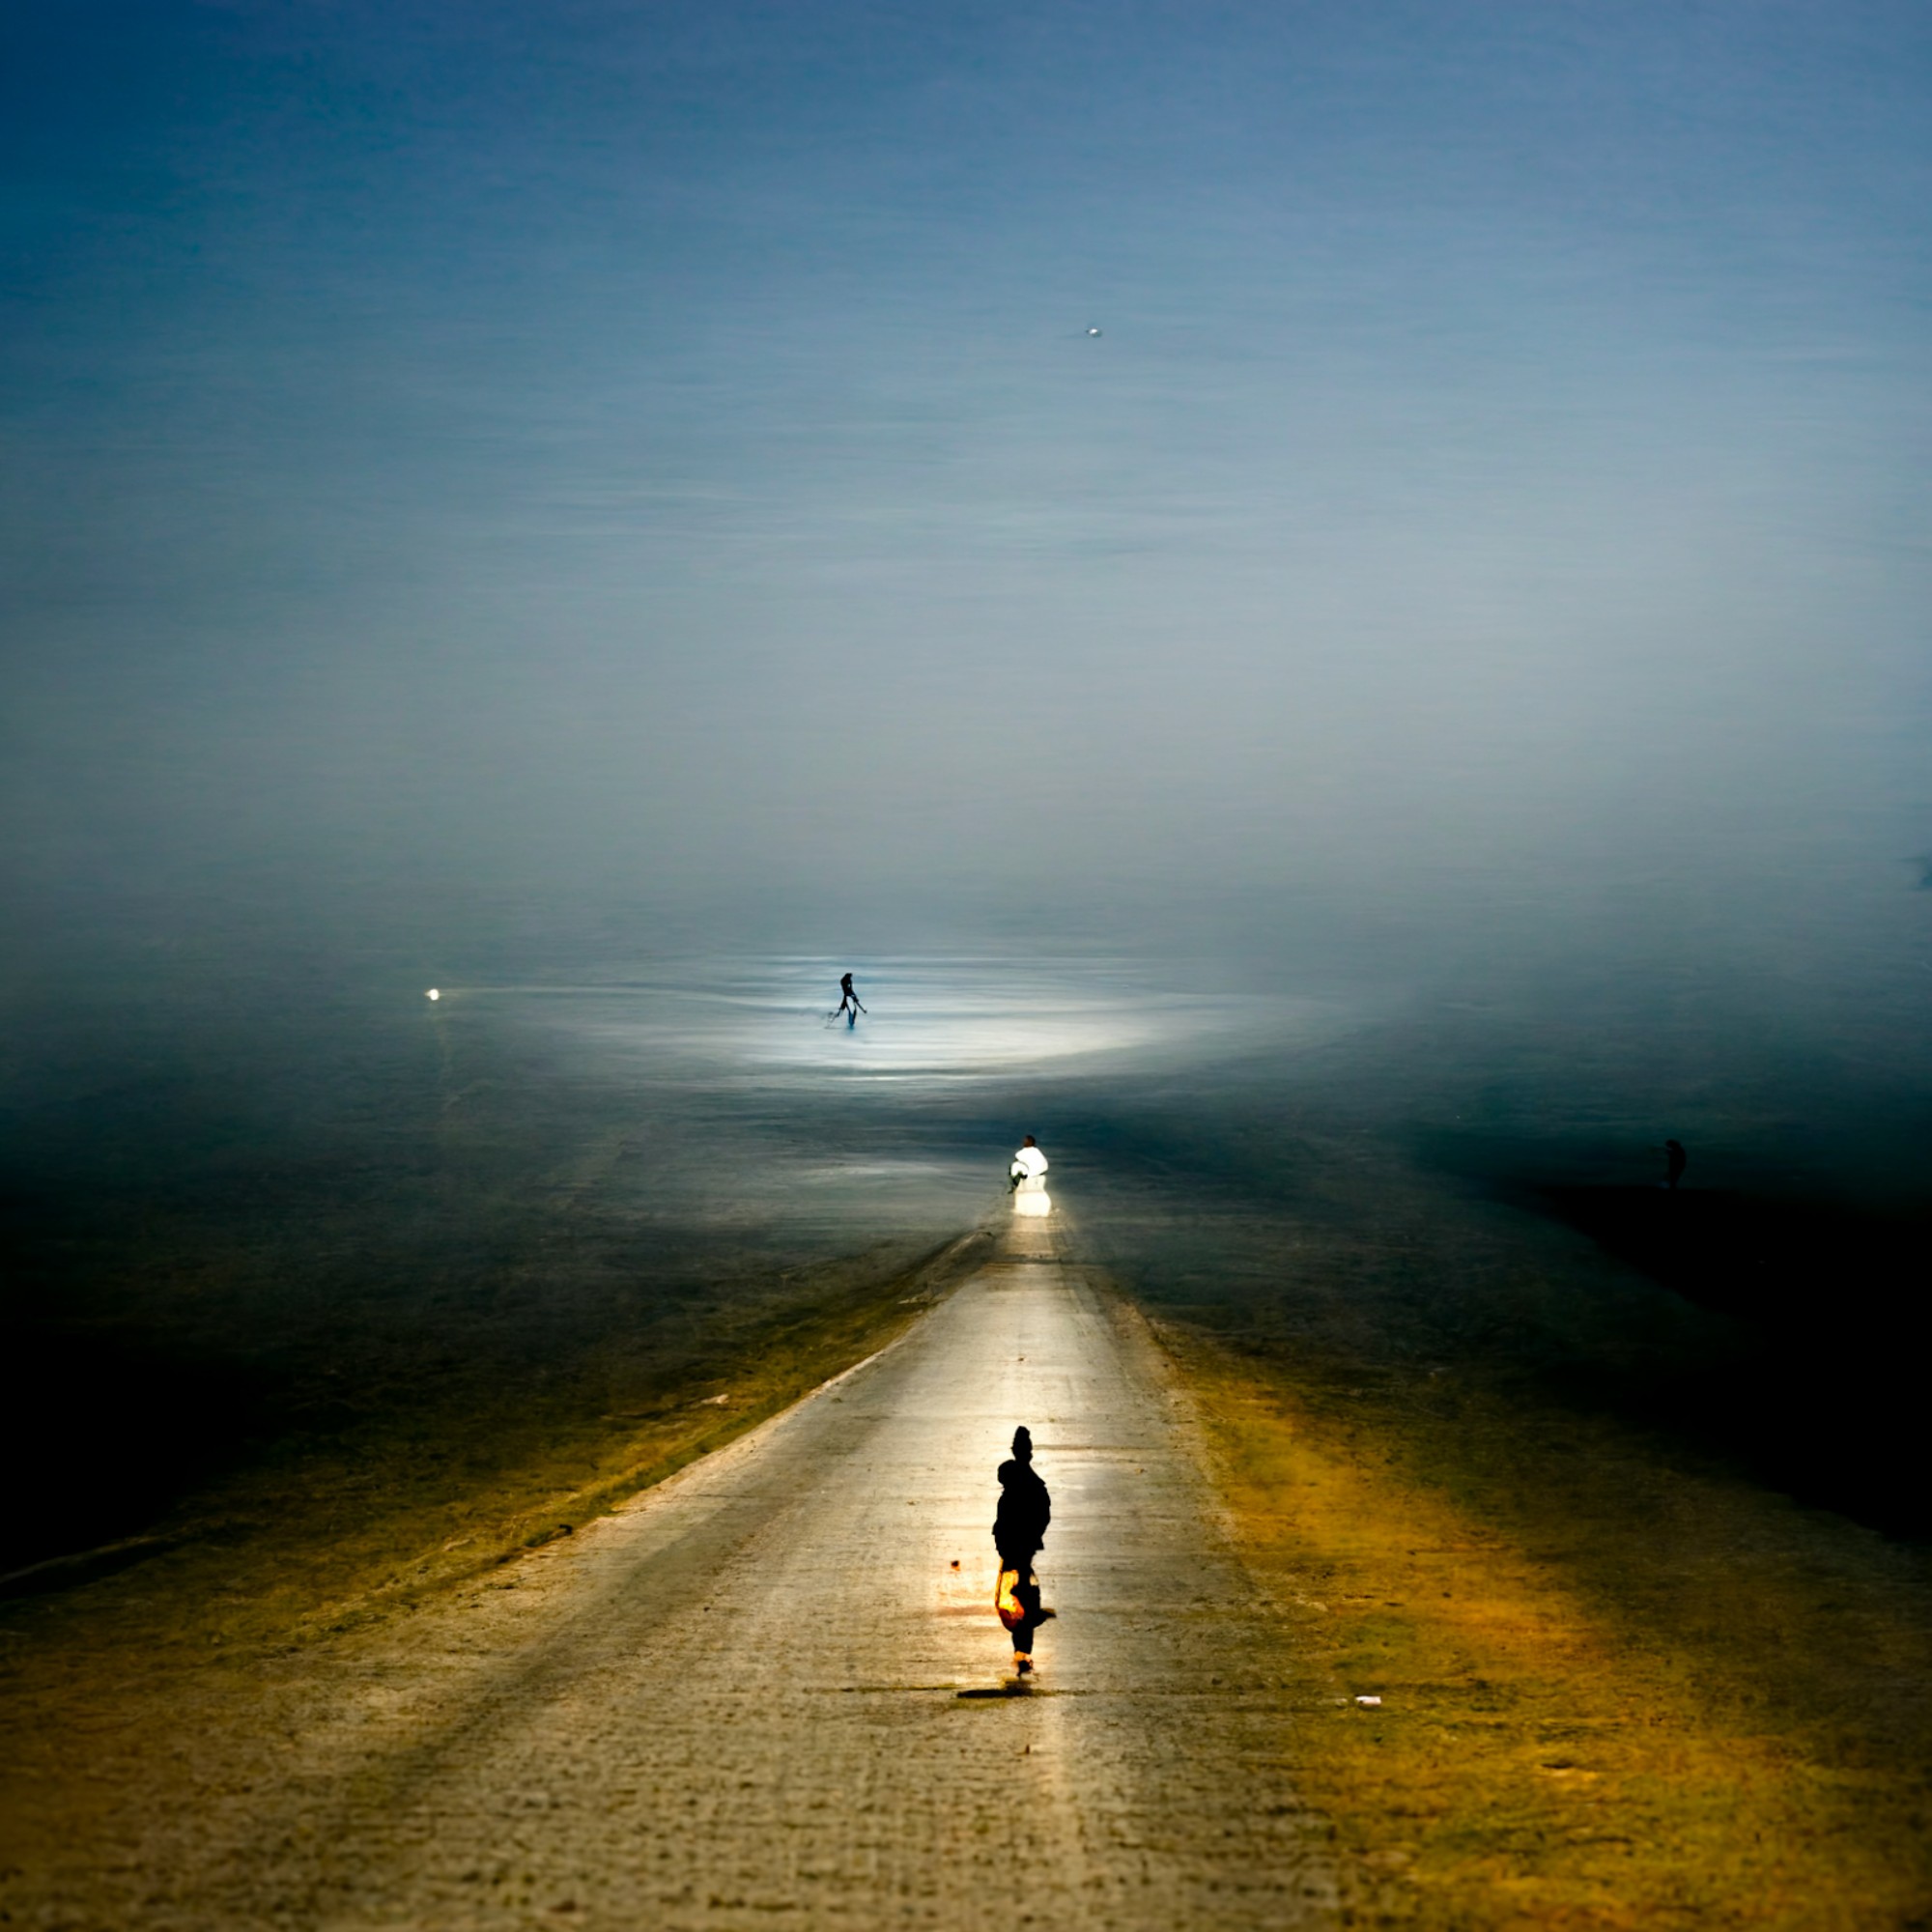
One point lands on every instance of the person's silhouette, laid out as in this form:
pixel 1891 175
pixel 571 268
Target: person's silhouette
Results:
pixel 1019 1528
pixel 849 1001
pixel 1675 1161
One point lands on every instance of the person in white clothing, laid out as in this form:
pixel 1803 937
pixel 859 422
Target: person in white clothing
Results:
pixel 1027 1169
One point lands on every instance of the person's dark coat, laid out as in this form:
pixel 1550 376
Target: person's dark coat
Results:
pixel 1019 1527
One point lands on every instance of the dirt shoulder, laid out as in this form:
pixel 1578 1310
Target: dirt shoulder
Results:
pixel 98 1662
pixel 1617 1689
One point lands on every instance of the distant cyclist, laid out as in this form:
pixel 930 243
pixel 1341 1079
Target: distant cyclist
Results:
pixel 849 1001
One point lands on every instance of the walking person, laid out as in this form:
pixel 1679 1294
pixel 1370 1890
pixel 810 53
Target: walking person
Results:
pixel 1019 1528
pixel 849 1001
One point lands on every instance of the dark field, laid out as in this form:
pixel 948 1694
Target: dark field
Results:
pixel 398 1240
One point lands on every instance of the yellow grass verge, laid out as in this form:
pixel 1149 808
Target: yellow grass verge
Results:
pixel 1615 1692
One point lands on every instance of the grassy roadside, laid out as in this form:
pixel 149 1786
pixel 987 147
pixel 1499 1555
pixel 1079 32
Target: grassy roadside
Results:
pixel 331 1535
pixel 1619 1690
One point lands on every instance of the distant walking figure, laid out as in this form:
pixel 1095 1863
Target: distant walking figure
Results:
pixel 1674 1158
pixel 1019 1528
pixel 849 1001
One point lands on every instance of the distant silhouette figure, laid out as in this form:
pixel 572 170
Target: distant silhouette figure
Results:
pixel 1674 1158
pixel 1019 1528
pixel 849 1001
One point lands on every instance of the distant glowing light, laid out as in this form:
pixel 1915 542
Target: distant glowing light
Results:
pixel 435 993
pixel 1092 332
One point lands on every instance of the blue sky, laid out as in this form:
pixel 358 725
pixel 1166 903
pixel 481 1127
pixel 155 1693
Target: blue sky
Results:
pixel 656 451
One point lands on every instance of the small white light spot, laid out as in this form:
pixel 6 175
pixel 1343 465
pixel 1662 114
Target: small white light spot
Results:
pixel 435 992
pixel 1092 332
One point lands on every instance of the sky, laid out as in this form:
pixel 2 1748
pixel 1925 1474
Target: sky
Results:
pixel 657 456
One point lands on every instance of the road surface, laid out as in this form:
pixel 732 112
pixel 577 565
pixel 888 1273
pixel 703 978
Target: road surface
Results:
pixel 763 1694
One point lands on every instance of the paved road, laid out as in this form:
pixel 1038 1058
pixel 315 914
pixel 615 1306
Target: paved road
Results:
pixel 762 1694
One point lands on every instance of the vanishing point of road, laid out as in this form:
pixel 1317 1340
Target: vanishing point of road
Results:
pixel 771 1692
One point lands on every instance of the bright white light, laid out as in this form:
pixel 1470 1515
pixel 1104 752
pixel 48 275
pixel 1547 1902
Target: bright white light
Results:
pixel 754 1023
pixel 1034 1204
pixel 436 993
pixel 1092 332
